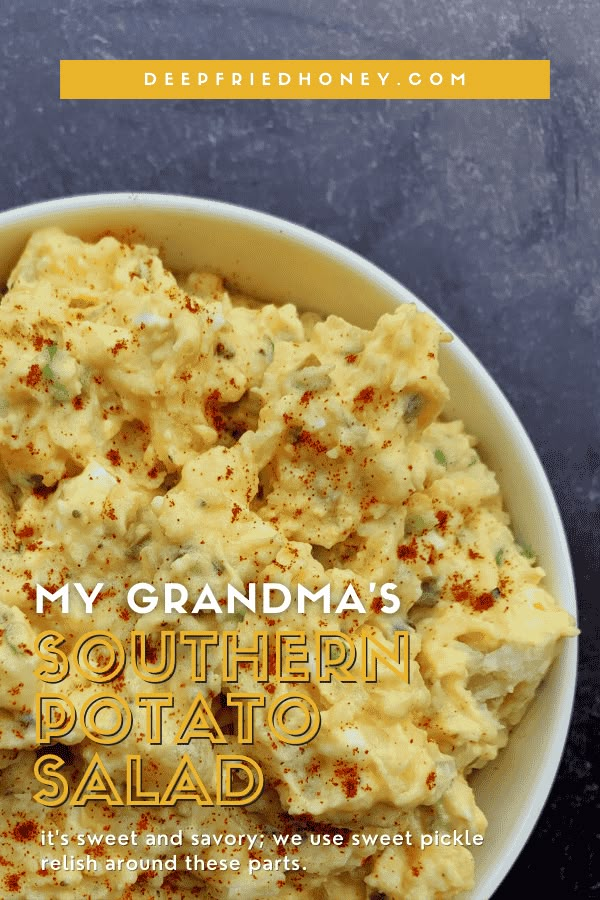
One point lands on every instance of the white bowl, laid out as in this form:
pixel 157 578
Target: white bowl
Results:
pixel 276 260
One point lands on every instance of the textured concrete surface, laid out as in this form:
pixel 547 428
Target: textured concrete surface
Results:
pixel 489 211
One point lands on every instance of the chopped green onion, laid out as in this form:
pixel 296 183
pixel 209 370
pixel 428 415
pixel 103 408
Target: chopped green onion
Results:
pixel 52 351
pixel 500 556
pixel 527 551
pixel 59 392
pixel 415 524
pixel 473 461
pixel 440 457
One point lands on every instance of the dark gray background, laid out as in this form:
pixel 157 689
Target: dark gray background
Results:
pixel 489 211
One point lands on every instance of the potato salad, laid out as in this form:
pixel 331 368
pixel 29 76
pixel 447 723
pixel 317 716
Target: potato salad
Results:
pixel 160 429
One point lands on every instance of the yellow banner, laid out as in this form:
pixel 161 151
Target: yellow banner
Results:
pixel 311 79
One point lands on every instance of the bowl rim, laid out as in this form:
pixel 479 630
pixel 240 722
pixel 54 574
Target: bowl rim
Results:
pixel 547 770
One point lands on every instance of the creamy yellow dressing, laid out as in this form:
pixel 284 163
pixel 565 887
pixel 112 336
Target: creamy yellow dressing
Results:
pixel 155 429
